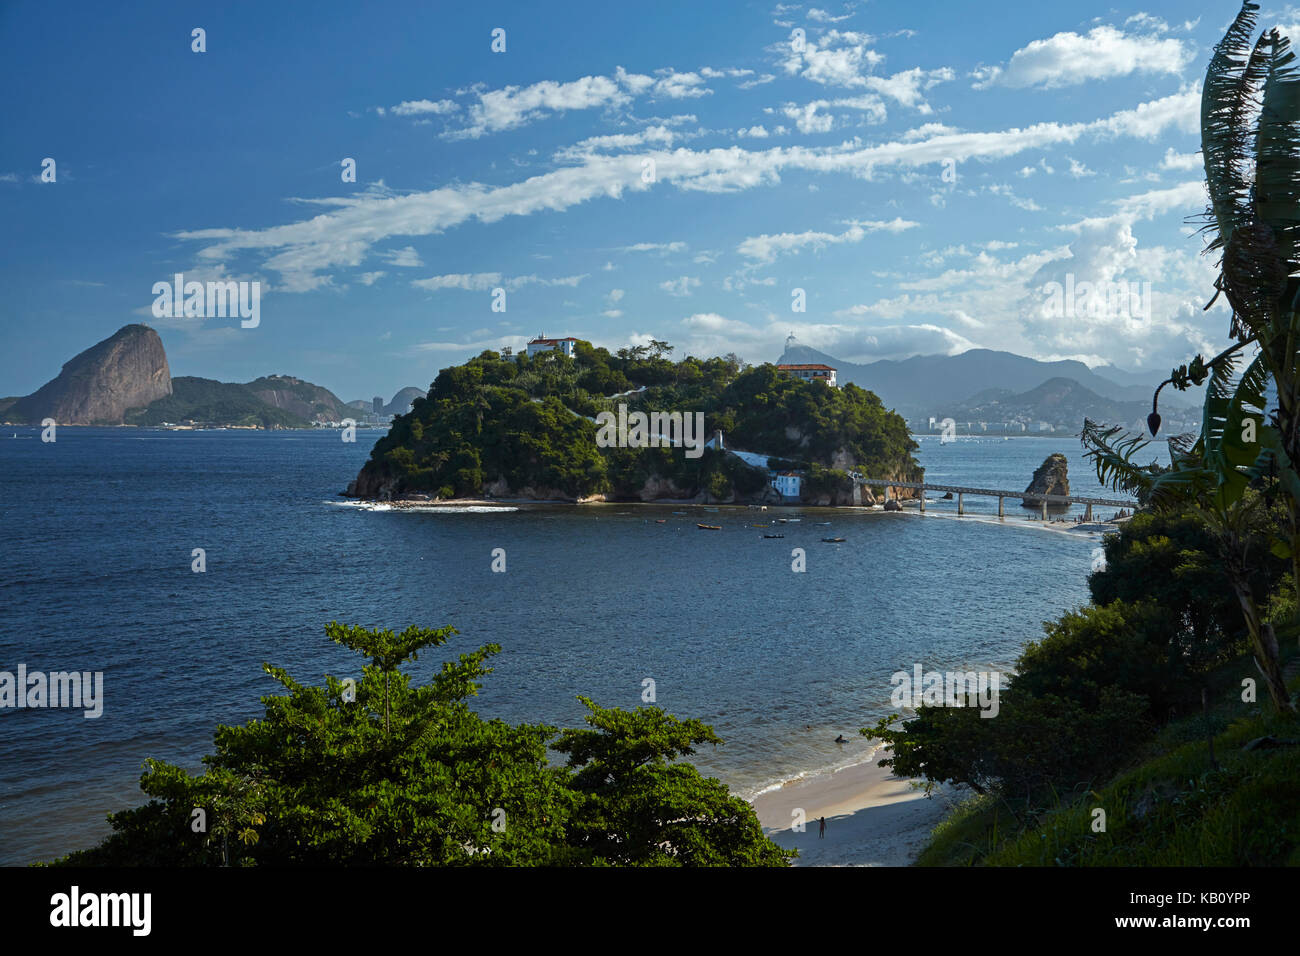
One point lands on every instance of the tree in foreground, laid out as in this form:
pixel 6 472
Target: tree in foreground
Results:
pixel 380 771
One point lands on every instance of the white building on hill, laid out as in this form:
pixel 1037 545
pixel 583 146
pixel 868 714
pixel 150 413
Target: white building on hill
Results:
pixel 540 344
pixel 811 373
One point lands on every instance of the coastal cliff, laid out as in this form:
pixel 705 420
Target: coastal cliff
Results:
pixel 126 370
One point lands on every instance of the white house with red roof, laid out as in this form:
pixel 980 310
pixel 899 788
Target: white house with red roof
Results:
pixel 543 344
pixel 811 373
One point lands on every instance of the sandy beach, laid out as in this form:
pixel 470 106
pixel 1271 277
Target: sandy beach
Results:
pixel 872 817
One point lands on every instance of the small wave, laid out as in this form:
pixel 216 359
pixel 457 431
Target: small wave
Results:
pixel 361 505
pixel 423 509
pixel 459 509
pixel 856 760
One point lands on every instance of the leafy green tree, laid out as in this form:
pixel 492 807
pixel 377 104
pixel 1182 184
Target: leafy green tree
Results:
pixel 638 808
pixel 381 771
pixel 1081 701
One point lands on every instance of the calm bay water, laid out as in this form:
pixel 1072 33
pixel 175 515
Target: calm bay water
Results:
pixel 95 575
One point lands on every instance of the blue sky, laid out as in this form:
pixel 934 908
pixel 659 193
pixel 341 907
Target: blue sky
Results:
pixel 920 170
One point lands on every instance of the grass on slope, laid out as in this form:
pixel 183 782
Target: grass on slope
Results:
pixel 1174 808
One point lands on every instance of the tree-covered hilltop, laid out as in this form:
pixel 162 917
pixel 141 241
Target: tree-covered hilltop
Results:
pixel 511 425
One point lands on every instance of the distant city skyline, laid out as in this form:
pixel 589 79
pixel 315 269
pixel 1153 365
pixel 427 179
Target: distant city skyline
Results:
pixel 913 176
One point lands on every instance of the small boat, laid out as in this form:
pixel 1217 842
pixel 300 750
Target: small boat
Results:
pixel 679 512
pixel 661 520
pixel 774 536
pixel 758 526
pixel 833 540
pixel 709 527
pixel 823 523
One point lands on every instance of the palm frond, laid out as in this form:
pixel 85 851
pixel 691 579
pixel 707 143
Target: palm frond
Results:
pixel 1229 402
pixel 1231 81
pixel 1277 156
pixel 1112 449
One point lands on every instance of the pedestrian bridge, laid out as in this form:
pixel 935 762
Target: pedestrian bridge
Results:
pixel 961 491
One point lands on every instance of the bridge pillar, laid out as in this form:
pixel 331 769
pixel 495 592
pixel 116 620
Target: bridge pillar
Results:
pixel 886 494
pixel 1087 513
pixel 961 504
pixel 1044 509
pixel 922 501
pixel 1001 514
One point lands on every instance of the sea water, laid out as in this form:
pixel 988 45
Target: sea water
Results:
pixel 97 548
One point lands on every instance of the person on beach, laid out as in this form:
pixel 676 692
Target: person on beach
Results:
pixel 821 828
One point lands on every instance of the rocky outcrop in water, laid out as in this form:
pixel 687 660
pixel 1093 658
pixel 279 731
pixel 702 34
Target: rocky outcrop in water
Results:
pixel 126 370
pixel 1051 478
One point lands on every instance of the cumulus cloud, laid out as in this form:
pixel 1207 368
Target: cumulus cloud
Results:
pixel 681 286
pixel 835 59
pixel 1068 59
pixel 425 107
pixel 513 106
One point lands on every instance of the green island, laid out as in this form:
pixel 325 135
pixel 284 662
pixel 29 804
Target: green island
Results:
pixel 520 426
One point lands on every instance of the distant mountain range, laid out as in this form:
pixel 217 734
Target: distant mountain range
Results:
pixel 992 386
pixel 125 380
pixel 1064 403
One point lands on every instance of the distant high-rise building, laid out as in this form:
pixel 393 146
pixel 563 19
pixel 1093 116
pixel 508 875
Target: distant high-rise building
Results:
pixel 379 404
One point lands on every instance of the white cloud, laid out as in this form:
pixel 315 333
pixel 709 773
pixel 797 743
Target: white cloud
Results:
pixel 678 86
pixel 657 135
pixel 1068 59
pixel 513 106
pixel 1175 160
pixel 821 16
pixel 680 287
pixel 1078 170
pixel 1009 194
pixel 483 281
pixel 661 247
pixel 343 235
pixel 406 258
pixel 425 107
pixel 836 59
pixel 766 248
pixel 369 278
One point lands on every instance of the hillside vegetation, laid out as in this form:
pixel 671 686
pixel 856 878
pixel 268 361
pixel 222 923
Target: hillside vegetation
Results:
pixel 207 400
pixel 515 425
